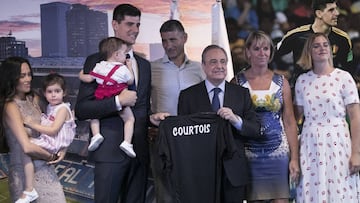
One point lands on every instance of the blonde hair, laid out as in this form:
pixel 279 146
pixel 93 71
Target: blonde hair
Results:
pixel 259 37
pixel 305 60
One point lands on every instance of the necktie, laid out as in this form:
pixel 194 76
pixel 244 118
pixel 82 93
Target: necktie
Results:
pixel 215 100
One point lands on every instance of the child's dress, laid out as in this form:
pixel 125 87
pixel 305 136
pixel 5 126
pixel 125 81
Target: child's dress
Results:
pixel 65 135
pixel 112 78
pixel 325 140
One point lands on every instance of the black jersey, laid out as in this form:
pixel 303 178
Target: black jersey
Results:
pixel 295 39
pixel 191 148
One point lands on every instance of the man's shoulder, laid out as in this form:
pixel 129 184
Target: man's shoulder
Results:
pixel 141 60
pixel 293 38
pixel 341 34
pixel 140 56
pixel 193 63
pixel 195 87
pixel 298 31
pixel 157 62
pixel 91 61
pixel 95 56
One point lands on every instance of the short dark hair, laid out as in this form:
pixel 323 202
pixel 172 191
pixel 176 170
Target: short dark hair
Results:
pixel 172 25
pixel 54 78
pixel 321 4
pixel 123 10
pixel 110 45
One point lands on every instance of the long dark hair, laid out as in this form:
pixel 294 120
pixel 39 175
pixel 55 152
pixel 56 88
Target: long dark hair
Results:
pixel 10 71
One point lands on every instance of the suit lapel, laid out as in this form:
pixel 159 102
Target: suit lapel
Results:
pixel 204 98
pixel 227 95
pixel 139 75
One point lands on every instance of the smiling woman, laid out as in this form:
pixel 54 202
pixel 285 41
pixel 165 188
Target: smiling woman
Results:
pixel 16 102
pixel 274 158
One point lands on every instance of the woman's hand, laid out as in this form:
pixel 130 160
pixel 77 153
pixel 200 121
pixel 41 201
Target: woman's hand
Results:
pixel 56 158
pixel 354 163
pixel 294 171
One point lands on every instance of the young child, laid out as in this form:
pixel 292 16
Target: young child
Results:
pixel 57 129
pixel 112 77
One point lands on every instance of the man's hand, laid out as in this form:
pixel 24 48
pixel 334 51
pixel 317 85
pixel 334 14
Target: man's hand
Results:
pixel 227 114
pixel 127 98
pixel 157 117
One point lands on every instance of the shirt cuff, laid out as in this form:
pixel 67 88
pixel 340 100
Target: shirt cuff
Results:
pixel 238 123
pixel 117 102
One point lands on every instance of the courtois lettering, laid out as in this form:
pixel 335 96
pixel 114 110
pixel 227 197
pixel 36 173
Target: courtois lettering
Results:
pixel 191 130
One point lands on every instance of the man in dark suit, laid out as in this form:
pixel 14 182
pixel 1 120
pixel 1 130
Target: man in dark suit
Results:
pixel 116 174
pixel 234 105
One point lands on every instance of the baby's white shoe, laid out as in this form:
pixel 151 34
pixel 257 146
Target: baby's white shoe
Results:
pixel 95 141
pixel 128 149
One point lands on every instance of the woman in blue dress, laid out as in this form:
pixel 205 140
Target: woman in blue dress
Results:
pixel 275 156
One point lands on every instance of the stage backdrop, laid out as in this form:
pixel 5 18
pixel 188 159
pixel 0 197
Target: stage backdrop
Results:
pixel 22 19
pixel 58 36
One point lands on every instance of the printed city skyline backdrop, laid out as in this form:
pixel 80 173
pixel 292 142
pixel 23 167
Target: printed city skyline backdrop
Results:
pixel 22 19
pixel 60 37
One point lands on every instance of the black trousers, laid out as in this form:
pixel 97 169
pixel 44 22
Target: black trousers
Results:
pixel 125 180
